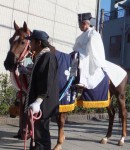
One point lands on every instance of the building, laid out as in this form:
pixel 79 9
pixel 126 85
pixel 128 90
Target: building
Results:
pixel 57 17
pixel 116 33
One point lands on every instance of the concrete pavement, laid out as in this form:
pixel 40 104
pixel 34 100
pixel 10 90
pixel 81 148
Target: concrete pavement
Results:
pixel 80 135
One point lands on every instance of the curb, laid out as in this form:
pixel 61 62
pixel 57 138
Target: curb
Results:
pixel 70 117
pixel 7 120
pixel 91 116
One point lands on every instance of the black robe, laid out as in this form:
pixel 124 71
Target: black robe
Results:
pixel 44 84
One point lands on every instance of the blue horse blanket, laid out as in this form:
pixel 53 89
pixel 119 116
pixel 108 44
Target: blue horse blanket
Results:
pixel 99 93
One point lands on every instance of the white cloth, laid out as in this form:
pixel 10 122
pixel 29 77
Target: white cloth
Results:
pixel 115 73
pixel 92 60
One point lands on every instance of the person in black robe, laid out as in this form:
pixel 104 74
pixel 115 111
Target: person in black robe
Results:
pixel 43 89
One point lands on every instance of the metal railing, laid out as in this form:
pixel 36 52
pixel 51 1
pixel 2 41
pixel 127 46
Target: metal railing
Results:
pixel 117 14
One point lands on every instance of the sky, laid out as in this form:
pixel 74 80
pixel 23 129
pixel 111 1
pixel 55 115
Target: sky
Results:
pixel 105 4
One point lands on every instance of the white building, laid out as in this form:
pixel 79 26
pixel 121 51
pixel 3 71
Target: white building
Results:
pixel 57 17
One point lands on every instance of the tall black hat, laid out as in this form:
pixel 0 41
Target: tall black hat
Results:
pixel 84 16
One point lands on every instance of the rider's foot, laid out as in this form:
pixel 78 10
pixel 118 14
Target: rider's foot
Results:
pixel 80 86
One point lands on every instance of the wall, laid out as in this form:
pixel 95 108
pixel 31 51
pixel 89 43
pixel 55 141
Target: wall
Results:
pixel 57 17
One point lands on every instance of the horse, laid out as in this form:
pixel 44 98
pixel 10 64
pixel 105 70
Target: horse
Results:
pixel 18 44
pixel 119 92
pixel 15 59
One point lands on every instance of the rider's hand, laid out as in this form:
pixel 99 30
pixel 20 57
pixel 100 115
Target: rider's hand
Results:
pixel 35 106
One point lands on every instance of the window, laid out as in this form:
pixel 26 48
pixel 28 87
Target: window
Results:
pixel 128 38
pixel 115 46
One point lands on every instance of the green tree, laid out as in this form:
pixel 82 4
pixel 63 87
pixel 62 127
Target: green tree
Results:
pixel 7 94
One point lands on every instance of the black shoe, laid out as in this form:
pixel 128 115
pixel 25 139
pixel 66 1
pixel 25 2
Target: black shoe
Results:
pixel 18 136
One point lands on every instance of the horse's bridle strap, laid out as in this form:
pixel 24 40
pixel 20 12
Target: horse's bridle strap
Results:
pixel 25 51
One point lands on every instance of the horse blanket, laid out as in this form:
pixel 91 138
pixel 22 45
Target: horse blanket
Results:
pixel 97 97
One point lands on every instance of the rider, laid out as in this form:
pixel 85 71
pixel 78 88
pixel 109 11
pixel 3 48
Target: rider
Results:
pixel 91 50
pixel 43 89
pixel 92 64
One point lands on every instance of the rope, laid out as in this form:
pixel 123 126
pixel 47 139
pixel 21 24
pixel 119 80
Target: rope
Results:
pixel 29 87
pixel 71 79
pixel 73 74
pixel 31 119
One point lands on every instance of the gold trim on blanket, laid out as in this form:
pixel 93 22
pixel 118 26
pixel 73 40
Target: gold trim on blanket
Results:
pixel 67 108
pixel 85 104
pixel 94 104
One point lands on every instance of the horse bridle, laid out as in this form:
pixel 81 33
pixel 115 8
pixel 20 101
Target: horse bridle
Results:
pixel 25 51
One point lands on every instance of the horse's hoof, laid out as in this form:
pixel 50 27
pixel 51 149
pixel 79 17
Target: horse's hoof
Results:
pixel 64 137
pixel 57 147
pixel 120 143
pixel 103 141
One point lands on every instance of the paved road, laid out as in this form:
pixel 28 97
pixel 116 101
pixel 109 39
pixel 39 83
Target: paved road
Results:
pixel 80 135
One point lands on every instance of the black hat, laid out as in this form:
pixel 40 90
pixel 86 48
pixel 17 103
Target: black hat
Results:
pixel 37 34
pixel 84 16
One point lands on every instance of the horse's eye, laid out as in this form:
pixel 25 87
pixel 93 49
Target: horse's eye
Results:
pixel 22 42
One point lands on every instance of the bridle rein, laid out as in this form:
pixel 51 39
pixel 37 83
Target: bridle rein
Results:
pixel 19 59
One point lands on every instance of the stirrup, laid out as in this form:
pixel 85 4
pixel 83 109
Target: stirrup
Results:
pixel 80 86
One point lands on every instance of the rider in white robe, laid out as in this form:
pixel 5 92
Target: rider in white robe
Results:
pixel 92 56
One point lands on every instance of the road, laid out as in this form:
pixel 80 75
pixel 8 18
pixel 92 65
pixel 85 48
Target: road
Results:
pixel 80 135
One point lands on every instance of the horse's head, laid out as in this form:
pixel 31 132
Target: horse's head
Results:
pixel 19 46
pixel 18 43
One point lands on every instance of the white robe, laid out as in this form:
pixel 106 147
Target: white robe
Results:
pixel 92 60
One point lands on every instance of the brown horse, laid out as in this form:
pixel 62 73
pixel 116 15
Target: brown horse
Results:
pixel 18 44
pixel 19 49
pixel 119 93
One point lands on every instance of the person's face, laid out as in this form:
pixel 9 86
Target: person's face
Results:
pixel 83 26
pixel 34 45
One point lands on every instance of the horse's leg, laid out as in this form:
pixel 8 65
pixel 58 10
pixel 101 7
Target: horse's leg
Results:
pixel 122 108
pixel 111 115
pixel 61 137
pixel 123 116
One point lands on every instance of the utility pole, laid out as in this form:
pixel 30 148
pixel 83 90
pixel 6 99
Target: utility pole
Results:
pixel 101 22
pixel 97 17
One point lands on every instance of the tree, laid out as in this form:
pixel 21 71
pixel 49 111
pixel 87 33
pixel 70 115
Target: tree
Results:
pixel 7 94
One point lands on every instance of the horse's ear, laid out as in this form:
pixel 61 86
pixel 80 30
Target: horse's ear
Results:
pixel 25 28
pixel 16 27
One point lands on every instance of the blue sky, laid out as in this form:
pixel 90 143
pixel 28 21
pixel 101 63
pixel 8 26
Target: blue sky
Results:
pixel 105 4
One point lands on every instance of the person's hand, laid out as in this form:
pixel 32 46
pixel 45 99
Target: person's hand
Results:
pixel 35 106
